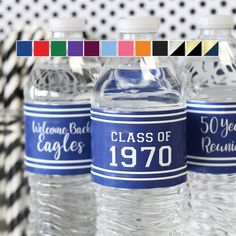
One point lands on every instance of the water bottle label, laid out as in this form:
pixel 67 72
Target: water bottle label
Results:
pixel 211 137
pixel 57 139
pixel 138 149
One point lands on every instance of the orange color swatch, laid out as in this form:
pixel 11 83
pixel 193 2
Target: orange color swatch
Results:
pixel 143 48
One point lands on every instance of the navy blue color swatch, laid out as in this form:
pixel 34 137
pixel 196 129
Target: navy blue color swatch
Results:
pixel 24 48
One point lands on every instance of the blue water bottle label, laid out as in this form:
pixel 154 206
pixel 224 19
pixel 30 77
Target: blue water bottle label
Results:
pixel 57 139
pixel 211 137
pixel 138 149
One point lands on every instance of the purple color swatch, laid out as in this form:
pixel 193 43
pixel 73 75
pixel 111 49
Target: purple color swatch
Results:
pixel 91 48
pixel 75 48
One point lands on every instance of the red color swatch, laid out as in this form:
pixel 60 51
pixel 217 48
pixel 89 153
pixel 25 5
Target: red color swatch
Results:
pixel 41 48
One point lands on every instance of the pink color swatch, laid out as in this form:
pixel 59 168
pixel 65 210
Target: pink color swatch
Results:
pixel 126 48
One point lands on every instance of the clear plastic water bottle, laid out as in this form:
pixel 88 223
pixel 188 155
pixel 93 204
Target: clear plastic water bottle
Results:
pixel 57 150
pixel 138 141
pixel 211 132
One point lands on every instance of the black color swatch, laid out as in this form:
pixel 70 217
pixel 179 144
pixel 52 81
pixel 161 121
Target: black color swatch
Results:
pixel 160 48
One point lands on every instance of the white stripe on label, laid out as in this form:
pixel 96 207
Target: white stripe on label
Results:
pixel 138 116
pixel 139 122
pixel 210 164
pixel 139 173
pixel 55 110
pixel 213 158
pixel 56 161
pixel 211 106
pixel 211 112
pixel 56 167
pixel 56 115
pixel 138 179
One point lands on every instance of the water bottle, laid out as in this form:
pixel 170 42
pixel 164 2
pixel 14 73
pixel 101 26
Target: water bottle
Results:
pixel 211 132
pixel 58 147
pixel 138 141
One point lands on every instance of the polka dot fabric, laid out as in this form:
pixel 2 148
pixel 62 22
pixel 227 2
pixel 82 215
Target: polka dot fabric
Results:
pixel 178 17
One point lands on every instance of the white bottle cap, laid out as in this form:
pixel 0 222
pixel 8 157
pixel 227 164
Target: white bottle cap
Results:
pixel 216 22
pixel 67 24
pixel 143 24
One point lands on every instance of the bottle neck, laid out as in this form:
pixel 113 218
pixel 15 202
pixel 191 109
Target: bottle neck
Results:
pixel 137 36
pixel 215 33
pixel 67 35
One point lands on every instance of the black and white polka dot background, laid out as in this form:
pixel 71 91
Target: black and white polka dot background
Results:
pixel 178 17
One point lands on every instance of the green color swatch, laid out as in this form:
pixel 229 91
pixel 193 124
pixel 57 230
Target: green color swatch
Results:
pixel 58 48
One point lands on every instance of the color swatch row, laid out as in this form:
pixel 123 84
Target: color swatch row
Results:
pixel 116 48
